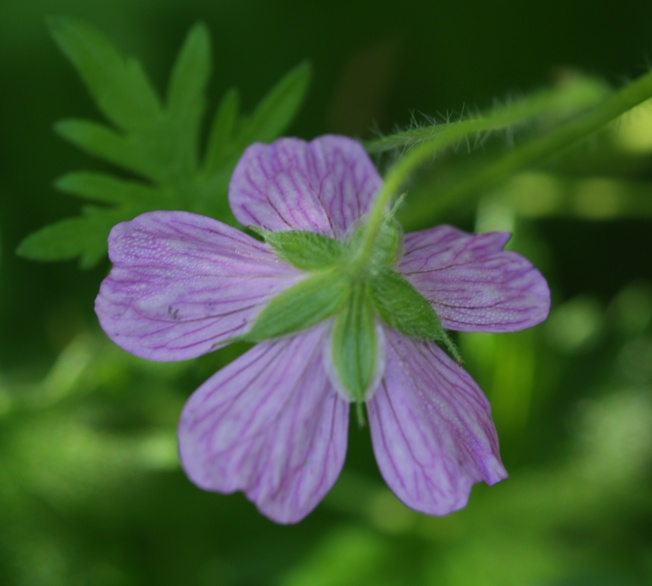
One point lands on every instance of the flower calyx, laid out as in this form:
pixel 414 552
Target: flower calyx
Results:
pixel 356 293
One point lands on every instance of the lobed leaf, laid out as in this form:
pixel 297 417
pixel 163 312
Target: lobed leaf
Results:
pixel 186 100
pixel 106 188
pixel 159 143
pixel 105 143
pixel 119 85
pixel 220 140
pixel 83 236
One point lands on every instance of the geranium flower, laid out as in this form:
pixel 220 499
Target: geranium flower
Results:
pixel 274 422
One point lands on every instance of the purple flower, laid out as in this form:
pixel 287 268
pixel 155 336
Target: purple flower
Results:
pixel 274 422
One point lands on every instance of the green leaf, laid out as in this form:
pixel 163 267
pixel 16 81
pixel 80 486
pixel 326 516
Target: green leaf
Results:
pixel 302 306
pixel 119 86
pixel 105 143
pixel 220 145
pixel 105 188
pixel 389 242
pixel 354 346
pixel 160 144
pixel 278 108
pixel 83 236
pixel 308 251
pixel 186 94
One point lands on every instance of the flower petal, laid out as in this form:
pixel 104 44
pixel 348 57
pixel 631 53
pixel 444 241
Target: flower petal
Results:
pixel 431 428
pixel 321 186
pixel 472 283
pixel 269 424
pixel 182 283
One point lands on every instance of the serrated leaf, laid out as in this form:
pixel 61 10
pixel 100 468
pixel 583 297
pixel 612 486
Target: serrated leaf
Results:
pixel 109 189
pixel 308 251
pixel 118 84
pixel 278 108
pixel 186 95
pixel 354 346
pixel 220 139
pixel 302 306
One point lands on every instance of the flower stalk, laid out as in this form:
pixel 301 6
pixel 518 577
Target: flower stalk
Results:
pixel 521 157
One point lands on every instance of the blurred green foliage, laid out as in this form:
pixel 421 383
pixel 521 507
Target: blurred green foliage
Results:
pixel 92 492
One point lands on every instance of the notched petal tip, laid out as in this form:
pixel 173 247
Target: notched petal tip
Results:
pixel 321 186
pixel 472 283
pixel 270 425
pixel 431 429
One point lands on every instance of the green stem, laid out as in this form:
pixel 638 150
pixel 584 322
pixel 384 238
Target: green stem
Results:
pixel 574 94
pixel 429 141
pixel 564 136
pixel 405 166
pixel 540 148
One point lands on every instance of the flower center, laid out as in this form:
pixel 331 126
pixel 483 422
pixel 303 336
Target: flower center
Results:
pixel 359 291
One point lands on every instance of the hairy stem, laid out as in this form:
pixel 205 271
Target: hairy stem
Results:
pixel 574 94
pixel 535 150
pixel 538 149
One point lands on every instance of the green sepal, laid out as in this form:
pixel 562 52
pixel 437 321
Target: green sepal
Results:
pixel 389 243
pixel 354 346
pixel 300 307
pixel 402 307
pixel 307 251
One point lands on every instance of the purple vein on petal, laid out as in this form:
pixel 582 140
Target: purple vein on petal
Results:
pixel 322 186
pixel 431 428
pixel 182 283
pixel 472 283
pixel 269 424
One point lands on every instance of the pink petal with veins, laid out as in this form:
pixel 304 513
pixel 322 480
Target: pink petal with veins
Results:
pixel 182 283
pixel 269 424
pixel 472 283
pixel 431 428
pixel 322 186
